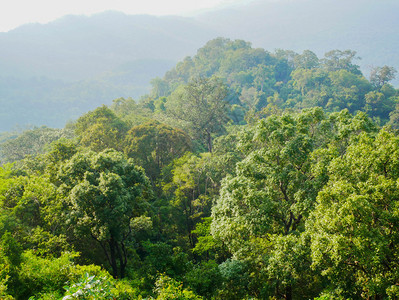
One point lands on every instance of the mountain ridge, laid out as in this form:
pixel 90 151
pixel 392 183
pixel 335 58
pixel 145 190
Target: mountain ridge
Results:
pixel 76 61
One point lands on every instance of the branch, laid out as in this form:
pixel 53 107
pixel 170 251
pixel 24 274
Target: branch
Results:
pixel 103 247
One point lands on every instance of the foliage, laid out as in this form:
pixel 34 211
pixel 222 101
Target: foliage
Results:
pixel 296 202
pixel 105 192
pixel 42 275
pixel 204 279
pixel 261 212
pixel 201 107
pixel 30 142
pixel 353 226
pixel 168 288
pixel 100 129
pixel 154 145
pixel 89 287
pixel 382 75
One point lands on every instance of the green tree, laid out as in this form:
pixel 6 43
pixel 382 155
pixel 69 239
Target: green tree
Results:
pixel 306 60
pixel 10 261
pixel 354 228
pixel 271 195
pixel 30 208
pixel 105 192
pixel 101 129
pixel 192 187
pixel 336 60
pixel 347 90
pixel 168 288
pixel 378 105
pixel 154 145
pixel 201 107
pixel 382 75
pixel 130 112
pixel 261 212
pixel 31 142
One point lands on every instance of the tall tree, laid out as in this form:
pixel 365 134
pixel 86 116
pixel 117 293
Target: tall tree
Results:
pixel 201 108
pixel 354 228
pixel 382 75
pixel 336 60
pixel 261 212
pixel 101 129
pixel 105 192
pixel 306 60
pixel 154 145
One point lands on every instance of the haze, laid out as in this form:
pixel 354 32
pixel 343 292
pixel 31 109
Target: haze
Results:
pixel 18 12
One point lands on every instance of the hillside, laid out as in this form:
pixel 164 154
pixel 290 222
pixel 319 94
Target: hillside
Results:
pixel 53 73
pixel 369 27
pixel 243 174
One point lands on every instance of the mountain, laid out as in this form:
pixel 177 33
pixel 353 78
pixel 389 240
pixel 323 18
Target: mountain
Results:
pixel 78 47
pixel 53 73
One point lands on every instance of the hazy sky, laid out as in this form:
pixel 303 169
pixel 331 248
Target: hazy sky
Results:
pixel 17 12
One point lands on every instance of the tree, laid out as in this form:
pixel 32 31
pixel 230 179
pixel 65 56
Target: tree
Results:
pixel 30 142
pixel 272 193
pixel 274 179
pixel 201 107
pixel 154 145
pixel 347 90
pixel 168 288
pixel 354 227
pixel 130 112
pixel 193 188
pixel 378 105
pixel 264 78
pixel 306 60
pixel 101 129
pixel 382 75
pixel 336 60
pixel 261 212
pixel 105 192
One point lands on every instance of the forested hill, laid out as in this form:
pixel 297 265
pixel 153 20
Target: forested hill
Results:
pixel 369 27
pixel 243 174
pixel 52 73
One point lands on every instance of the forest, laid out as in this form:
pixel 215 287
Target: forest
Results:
pixel 243 174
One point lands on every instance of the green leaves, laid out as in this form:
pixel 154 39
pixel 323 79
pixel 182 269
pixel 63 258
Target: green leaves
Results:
pixel 201 107
pixel 261 212
pixel 353 228
pixel 104 192
pixel 154 145
pixel 89 287
pixel 168 288
pixel 100 129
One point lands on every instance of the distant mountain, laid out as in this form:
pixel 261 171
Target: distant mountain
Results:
pixel 79 47
pixel 53 73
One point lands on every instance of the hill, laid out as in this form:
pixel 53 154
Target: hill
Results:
pixel 53 73
pixel 369 27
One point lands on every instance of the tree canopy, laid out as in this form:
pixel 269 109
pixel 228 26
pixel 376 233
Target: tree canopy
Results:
pixel 243 174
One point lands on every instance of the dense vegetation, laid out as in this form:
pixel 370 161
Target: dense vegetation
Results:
pixel 53 73
pixel 244 174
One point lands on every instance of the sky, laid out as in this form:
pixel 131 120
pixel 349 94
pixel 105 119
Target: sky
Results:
pixel 14 13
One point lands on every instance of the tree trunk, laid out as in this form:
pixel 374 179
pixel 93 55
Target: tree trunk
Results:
pixel 209 141
pixel 113 258
pixel 122 261
pixel 288 293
